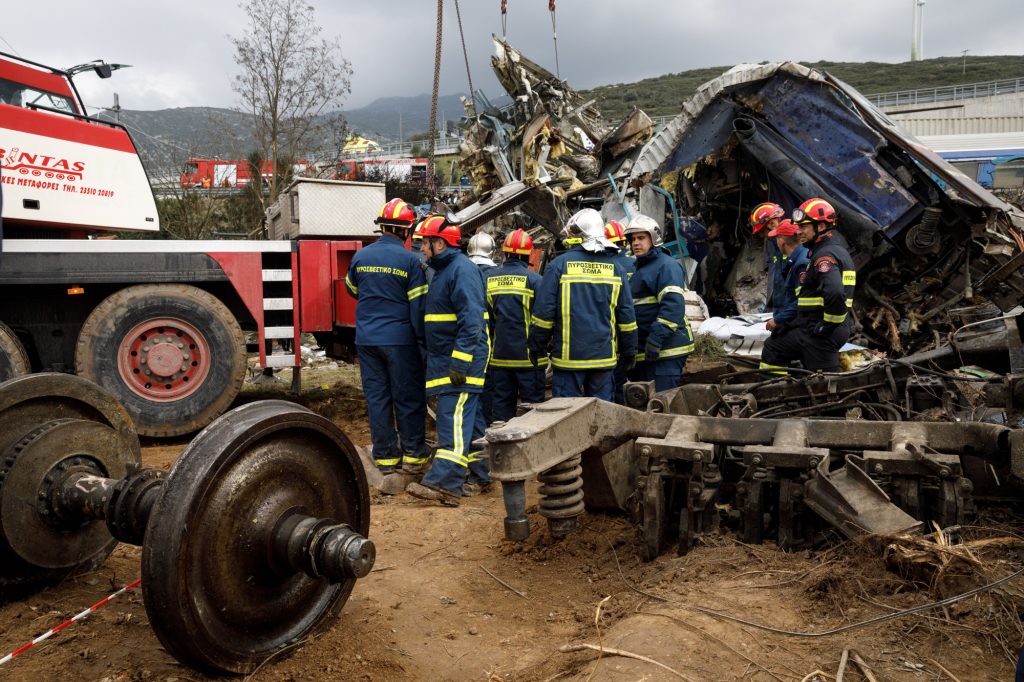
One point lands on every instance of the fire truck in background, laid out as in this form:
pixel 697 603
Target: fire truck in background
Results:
pixel 208 173
pixel 158 323
pixel 410 171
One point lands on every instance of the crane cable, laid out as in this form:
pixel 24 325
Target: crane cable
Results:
pixel 504 19
pixel 554 35
pixel 465 55
pixel 431 178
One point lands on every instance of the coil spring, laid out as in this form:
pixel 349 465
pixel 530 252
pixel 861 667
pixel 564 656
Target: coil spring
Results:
pixel 562 492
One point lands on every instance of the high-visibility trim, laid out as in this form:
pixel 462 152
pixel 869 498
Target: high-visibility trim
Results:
pixel 565 295
pixel 849 303
pixel 457 424
pixel 641 357
pixel 671 325
pixel 444 381
pixel 475 456
pixel 773 369
pixel 627 327
pixel 590 279
pixel 415 461
pixel 849 277
pixel 646 300
pixel 452 457
pixel 834 319
pixel 352 288
pixel 459 355
pixel 797 290
pixel 440 317
pixel 388 462
pixel 512 364
pixel 810 302
pixel 677 351
pixel 604 363
pixel 671 289
pixel 543 324
pixel 515 291
pixel 417 292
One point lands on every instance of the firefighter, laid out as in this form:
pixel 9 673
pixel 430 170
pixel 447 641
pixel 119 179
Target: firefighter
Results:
pixel 389 283
pixel 585 308
pixel 658 288
pixel 824 299
pixel 457 353
pixel 787 276
pixel 763 219
pixel 511 289
pixel 614 231
pixel 480 252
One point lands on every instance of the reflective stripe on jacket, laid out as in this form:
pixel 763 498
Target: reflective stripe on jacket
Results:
pixel 826 289
pixel 584 303
pixel 658 297
pixel 511 289
pixel 388 281
pixel 787 280
pixel 456 329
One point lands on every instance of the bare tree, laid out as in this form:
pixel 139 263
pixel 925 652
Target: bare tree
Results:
pixel 292 81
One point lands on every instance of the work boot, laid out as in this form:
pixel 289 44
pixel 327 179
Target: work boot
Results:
pixel 424 492
pixel 415 469
pixel 473 488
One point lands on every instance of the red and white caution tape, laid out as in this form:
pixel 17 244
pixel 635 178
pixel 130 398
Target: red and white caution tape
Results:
pixel 66 623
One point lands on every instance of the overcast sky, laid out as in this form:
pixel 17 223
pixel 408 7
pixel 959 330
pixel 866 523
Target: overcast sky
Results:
pixel 182 56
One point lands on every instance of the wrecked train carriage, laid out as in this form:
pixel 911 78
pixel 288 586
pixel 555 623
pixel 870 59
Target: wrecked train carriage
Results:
pixel 926 238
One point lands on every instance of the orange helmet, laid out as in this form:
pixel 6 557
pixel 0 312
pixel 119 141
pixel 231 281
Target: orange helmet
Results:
pixel 762 213
pixel 814 211
pixel 396 213
pixel 438 226
pixel 518 242
pixel 614 231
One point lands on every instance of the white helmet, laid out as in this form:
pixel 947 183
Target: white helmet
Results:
pixel 481 244
pixel 587 225
pixel 642 223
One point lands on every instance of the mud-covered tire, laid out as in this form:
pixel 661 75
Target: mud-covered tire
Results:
pixel 172 354
pixel 14 360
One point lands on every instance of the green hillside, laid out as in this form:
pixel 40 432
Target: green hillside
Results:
pixel 662 96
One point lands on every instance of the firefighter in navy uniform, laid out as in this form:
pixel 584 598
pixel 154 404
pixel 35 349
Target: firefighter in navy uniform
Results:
pixel 510 294
pixel 824 299
pixel 458 347
pixel 388 281
pixel 763 219
pixel 659 286
pixel 615 232
pixel 481 251
pixel 585 309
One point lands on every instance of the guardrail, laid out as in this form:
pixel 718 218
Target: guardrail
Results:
pixel 947 93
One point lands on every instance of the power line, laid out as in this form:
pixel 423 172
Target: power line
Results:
pixel 8 44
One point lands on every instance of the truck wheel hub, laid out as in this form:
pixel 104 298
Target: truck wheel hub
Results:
pixel 164 359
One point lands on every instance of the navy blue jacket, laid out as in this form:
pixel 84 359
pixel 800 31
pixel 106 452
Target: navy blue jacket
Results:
pixel 787 281
pixel 627 262
pixel 510 294
pixel 658 296
pixel 456 328
pixel 584 302
pixel 388 281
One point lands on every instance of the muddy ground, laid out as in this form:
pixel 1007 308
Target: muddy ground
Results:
pixel 430 610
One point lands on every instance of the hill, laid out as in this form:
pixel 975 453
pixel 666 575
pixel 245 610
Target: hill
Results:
pixel 664 95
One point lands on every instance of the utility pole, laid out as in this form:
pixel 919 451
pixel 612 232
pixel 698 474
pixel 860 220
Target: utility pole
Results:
pixel 917 31
pixel 116 109
pixel 964 53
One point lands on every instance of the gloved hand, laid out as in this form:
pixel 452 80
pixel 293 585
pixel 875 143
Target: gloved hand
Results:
pixel 627 362
pixel 457 378
pixel 651 352
pixel 823 329
pixel 534 357
pixel 535 352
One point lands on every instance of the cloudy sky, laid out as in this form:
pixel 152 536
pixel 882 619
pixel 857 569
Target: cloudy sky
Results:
pixel 182 56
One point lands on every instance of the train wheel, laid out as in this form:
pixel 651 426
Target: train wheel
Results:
pixel 173 354
pixel 13 358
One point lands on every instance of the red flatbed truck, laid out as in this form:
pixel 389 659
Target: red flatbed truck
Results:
pixel 158 323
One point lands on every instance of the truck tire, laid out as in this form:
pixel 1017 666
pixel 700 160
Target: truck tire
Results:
pixel 174 355
pixel 13 359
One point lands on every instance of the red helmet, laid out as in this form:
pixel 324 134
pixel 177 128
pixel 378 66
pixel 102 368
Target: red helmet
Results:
pixel 614 231
pixel 785 228
pixel 396 213
pixel 814 211
pixel 438 226
pixel 762 213
pixel 518 242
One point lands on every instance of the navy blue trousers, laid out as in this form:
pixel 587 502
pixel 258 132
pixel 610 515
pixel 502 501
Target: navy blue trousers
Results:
pixel 512 385
pixel 460 421
pixel 665 374
pixel 393 385
pixel 598 383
